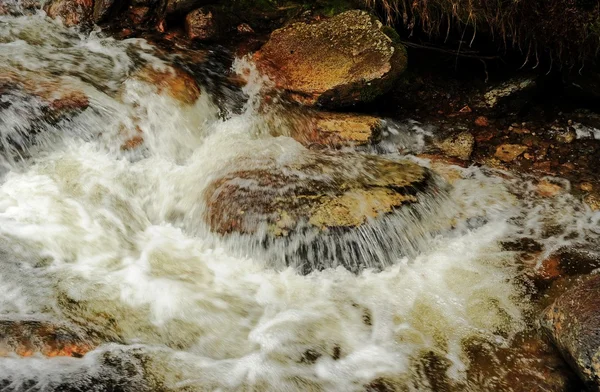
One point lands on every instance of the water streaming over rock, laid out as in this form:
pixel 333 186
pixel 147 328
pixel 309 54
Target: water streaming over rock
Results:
pixel 108 248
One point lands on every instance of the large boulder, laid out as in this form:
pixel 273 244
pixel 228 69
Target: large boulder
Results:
pixel 573 322
pixel 336 62
pixel 71 12
pixel 325 209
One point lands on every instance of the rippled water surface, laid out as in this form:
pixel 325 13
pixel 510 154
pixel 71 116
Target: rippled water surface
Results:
pixel 109 246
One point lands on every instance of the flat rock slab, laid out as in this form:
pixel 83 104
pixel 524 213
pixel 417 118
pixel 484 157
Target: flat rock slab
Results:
pixel 573 322
pixel 333 129
pixel 336 62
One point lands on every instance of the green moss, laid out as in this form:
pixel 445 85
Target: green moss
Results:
pixel 392 34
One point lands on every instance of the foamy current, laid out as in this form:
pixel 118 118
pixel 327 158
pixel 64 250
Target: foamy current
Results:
pixel 113 242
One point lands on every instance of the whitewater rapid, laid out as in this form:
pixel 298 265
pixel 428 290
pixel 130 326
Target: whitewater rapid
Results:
pixel 113 243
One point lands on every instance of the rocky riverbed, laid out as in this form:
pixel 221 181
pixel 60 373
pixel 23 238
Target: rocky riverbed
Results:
pixel 226 196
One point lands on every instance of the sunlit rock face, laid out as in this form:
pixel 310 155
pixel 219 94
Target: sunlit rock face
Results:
pixel 336 62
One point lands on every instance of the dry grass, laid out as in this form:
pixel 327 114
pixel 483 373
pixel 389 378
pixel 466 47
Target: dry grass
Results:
pixel 565 31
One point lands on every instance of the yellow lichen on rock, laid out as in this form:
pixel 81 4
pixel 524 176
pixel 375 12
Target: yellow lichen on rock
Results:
pixel 353 208
pixel 335 62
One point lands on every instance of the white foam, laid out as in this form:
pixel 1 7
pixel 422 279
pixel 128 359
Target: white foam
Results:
pixel 124 239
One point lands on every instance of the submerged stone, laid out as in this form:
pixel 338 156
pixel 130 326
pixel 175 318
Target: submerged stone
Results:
pixel 326 210
pixel 173 81
pixel 20 7
pixel 336 62
pixel 26 338
pixel 58 96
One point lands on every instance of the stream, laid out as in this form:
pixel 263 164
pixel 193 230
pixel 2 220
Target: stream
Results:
pixel 106 253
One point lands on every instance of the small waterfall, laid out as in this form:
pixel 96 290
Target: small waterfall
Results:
pixel 145 234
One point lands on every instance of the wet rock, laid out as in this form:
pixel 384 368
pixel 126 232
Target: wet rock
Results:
pixel 306 198
pixel 59 97
pixel 510 96
pixel 573 322
pixel 101 9
pixel 201 25
pixel 342 129
pixel 593 201
pixel 21 7
pixel 30 337
pixel 335 62
pixel 138 15
pixel 565 136
pixel 244 28
pixel 71 12
pixel 173 81
pixel 308 213
pixel 509 152
pixel 527 364
pixel 458 146
pixel 482 121
pixel 547 188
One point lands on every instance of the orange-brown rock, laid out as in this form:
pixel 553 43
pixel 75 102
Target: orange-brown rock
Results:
pixel 335 62
pixel 509 152
pixel 326 208
pixel 138 15
pixel 58 95
pixel 71 12
pixel 338 129
pixel 29 337
pixel 317 192
pixel 546 188
pixel 482 121
pixel 172 81
pixel 527 364
pixel 244 28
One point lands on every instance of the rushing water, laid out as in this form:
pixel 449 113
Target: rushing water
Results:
pixel 111 245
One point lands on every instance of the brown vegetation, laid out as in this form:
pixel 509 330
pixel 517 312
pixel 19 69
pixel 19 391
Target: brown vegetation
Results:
pixel 565 31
